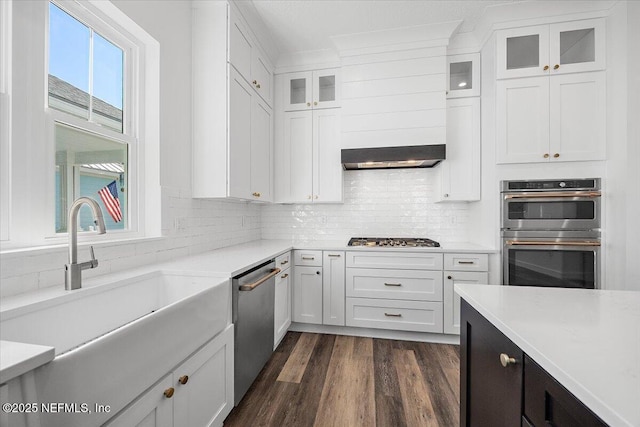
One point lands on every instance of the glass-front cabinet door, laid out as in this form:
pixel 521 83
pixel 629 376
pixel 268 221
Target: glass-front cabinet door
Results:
pixel 312 90
pixel 297 91
pixel 463 75
pixel 577 46
pixel 523 52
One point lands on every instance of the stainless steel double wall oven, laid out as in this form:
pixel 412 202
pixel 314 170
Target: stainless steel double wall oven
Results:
pixel 551 233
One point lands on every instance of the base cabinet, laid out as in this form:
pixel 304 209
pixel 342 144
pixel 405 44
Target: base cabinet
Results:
pixel 307 294
pixel 282 306
pixel 452 300
pixel 333 288
pixel 199 392
pixel 501 386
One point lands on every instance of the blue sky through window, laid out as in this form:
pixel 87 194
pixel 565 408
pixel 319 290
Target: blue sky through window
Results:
pixel 69 47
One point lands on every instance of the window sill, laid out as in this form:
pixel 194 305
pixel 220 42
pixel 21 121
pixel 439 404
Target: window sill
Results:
pixel 9 251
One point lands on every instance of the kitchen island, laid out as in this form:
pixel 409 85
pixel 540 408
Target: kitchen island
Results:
pixel 587 341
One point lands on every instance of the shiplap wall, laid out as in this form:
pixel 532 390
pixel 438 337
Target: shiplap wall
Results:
pixel 394 98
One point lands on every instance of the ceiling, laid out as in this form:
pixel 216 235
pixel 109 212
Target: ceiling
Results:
pixel 307 25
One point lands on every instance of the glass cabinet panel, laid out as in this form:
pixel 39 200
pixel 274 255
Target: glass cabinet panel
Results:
pixel 577 46
pixel 523 52
pixel 327 86
pixel 298 91
pixel 461 75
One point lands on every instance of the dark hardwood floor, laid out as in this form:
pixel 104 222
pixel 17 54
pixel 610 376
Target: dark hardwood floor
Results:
pixel 328 380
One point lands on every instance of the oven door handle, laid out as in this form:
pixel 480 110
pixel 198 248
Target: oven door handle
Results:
pixel 538 243
pixel 556 194
pixel 260 281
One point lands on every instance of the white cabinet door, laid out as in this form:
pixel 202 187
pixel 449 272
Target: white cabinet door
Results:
pixel 578 117
pixel 577 46
pixel 152 409
pixel 523 52
pixel 240 45
pixel 460 172
pixel 297 91
pixel 452 300
pixel 522 120
pixel 240 101
pixel 261 157
pixel 282 307
pixel 327 165
pixel 463 76
pixel 333 264
pixel 293 158
pixel 261 77
pixel 326 88
pixel 204 384
pixel 307 294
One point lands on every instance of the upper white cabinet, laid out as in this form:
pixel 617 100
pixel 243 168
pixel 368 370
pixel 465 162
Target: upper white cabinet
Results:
pixel 460 172
pixel 463 75
pixel 232 116
pixel 541 119
pixel 566 47
pixel 248 59
pixel 312 90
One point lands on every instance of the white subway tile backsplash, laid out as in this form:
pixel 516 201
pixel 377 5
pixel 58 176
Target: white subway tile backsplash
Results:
pixel 397 203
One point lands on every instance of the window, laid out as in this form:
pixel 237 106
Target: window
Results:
pixel 84 115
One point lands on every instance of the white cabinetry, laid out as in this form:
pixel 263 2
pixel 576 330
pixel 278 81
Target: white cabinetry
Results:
pixel 567 47
pixel 199 392
pixel 400 291
pixel 460 172
pixel 232 124
pixel 460 268
pixel 307 161
pixel 463 76
pixel 312 89
pixel 282 306
pixel 307 287
pixel 333 288
pixel 558 118
pixel 555 110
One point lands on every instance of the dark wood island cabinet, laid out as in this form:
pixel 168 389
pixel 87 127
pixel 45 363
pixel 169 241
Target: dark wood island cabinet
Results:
pixel 501 386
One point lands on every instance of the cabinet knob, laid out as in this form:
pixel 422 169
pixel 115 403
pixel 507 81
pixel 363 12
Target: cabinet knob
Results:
pixel 555 67
pixel 546 155
pixel 315 102
pixel 169 392
pixel 309 197
pixel 446 195
pixel 449 277
pixel 505 360
pixel 183 379
pixel 256 194
pixel 555 156
pixel 546 67
pixel 255 82
pixel 284 276
pixel 317 272
pixel 308 104
pixel 316 197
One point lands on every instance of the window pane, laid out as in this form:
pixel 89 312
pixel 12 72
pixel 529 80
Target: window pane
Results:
pixel 327 86
pixel 298 91
pixel 85 164
pixel 523 52
pixel 577 46
pixel 68 63
pixel 107 83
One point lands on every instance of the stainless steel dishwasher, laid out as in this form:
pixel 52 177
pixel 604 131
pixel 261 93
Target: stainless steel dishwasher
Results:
pixel 253 300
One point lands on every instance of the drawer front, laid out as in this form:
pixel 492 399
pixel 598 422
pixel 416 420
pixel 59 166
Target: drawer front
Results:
pixel 420 316
pixel 421 285
pixel 466 262
pixel 400 260
pixel 283 261
pixel 311 258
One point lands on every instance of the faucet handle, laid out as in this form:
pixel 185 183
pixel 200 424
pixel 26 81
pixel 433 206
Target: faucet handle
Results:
pixel 94 261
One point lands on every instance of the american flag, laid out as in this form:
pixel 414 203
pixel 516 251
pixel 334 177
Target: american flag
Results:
pixel 109 196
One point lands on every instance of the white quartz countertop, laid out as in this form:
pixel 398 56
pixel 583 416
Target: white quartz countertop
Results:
pixel 18 358
pixel 589 340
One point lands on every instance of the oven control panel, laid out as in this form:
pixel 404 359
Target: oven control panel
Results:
pixel 552 185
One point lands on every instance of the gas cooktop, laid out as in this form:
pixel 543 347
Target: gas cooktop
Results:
pixel 393 242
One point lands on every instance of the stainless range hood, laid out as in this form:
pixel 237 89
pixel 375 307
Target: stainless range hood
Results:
pixel 413 156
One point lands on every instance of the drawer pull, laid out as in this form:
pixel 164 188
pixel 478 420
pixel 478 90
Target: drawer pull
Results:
pixel 393 314
pixel 308 258
pixel 505 360
pixel 284 276
pixel 286 261
pixel 334 255
pixel 392 284
pixel 466 262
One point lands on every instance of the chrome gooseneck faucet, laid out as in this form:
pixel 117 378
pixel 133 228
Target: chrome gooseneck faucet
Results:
pixel 73 270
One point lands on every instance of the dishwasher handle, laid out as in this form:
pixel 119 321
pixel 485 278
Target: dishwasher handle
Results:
pixel 252 286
